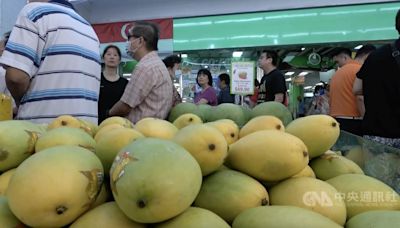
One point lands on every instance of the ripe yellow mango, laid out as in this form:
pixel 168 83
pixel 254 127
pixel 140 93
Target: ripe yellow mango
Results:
pixel 268 155
pixel 195 217
pixel 312 194
pixel 328 166
pixel 318 132
pixel 375 219
pixel 282 217
pixel 5 180
pixel 228 128
pixel 156 128
pixel 186 119
pixel 206 144
pixel 52 188
pixel 227 193
pixel 261 123
pixel 362 193
pixel 105 215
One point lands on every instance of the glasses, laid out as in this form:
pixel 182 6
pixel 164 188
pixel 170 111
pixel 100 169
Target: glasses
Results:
pixel 132 36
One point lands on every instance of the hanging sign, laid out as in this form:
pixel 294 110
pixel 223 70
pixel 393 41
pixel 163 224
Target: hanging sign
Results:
pixel 116 32
pixel 242 81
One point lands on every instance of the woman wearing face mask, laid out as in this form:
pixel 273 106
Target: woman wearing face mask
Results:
pixel 112 86
pixel 207 95
pixel 173 63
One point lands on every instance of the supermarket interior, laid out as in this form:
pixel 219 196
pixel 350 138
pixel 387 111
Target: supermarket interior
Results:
pixel 188 113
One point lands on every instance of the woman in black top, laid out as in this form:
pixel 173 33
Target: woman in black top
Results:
pixel 112 86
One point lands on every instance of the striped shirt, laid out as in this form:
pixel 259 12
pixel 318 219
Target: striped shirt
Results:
pixel 59 50
pixel 149 92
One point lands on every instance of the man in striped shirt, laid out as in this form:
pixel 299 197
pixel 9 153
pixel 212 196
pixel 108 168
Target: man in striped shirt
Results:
pixel 53 63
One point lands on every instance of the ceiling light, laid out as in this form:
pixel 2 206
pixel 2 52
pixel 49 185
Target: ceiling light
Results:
pixel 308 87
pixel 304 73
pixel 288 79
pixel 184 55
pixel 303 48
pixel 358 47
pixel 237 54
pixel 289 73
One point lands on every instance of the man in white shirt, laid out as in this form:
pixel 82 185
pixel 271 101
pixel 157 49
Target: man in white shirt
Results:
pixel 52 60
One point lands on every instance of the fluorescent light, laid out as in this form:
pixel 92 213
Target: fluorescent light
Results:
pixel 304 73
pixel 184 55
pixel 308 87
pixel 237 54
pixel 289 73
pixel 358 47
pixel 288 79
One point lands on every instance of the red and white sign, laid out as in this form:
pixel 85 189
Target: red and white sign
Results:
pixel 116 32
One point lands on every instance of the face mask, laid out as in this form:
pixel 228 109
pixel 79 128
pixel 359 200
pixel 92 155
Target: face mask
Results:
pixel 128 49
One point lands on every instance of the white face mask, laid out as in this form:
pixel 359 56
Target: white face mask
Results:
pixel 129 51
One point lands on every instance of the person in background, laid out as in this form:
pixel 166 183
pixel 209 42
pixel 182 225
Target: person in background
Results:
pixel 173 64
pixel 52 63
pixel 272 85
pixel 342 57
pixel 378 81
pixel 301 107
pixel 251 100
pixel 112 86
pixel 345 107
pixel 224 95
pixel 148 93
pixel 320 101
pixel 207 95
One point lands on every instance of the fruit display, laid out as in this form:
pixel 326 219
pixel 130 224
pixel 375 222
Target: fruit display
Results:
pixel 222 166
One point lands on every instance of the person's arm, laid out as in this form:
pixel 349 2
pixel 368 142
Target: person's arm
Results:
pixel 17 83
pixel 279 87
pixel 279 97
pixel 202 101
pixel 358 91
pixel 209 96
pixel 357 87
pixel 137 89
pixel 360 105
pixel 119 109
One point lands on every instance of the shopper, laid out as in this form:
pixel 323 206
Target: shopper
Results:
pixel 173 64
pixel 224 95
pixel 346 107
pixel 379 81
pixel 320 100
pixel 53 63
pixel 207 95
pixel 112 85
pixel 148 93
pixel 272 85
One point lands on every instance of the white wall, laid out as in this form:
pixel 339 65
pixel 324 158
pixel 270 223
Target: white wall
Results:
pixel 105 11
pixel 8 13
